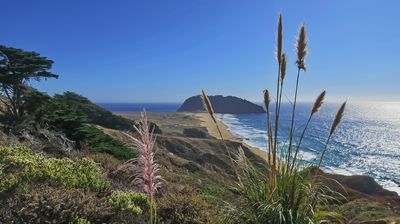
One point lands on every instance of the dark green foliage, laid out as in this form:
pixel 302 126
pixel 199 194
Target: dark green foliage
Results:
pixel 74 116
pixel 100 142
pixel 82 107
pixel 64 111
pixel 17 68
pixel 194 133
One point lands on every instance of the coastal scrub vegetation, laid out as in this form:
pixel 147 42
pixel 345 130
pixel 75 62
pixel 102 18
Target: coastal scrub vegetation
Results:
pixel 285 193
pixel 37 189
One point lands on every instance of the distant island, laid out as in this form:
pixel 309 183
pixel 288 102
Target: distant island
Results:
pixel 222 104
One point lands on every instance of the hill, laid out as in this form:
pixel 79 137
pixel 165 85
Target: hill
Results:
pixel 222 104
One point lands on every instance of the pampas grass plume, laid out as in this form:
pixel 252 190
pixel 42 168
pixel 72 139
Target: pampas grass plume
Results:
pixel 146 170
pixel 318 102
pixel 279 39
pixel 283 68
pixel 207 105
pixel 301 48
pixel 267 99
pixel 338 117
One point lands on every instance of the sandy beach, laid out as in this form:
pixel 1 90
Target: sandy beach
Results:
pixel 208 123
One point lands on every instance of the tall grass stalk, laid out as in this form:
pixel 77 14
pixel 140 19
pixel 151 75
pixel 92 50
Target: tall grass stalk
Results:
pixel 284 194
pixel 267 101
pixel 301 48
pixel 279 46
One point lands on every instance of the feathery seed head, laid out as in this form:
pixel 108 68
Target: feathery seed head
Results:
pixel 207 104
pixel 301 48
pixel 279 40
pixel 267 99
pixel 146 169
pixel 283 68
pixel 318 102
pixel 338 117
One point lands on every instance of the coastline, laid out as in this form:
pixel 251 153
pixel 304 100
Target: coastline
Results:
pixel 208 123
pixel 388 185
pixel 173 123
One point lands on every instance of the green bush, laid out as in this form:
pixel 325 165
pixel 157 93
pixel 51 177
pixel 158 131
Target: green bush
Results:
pixel 185 206
pixel 100 142
pixel 75 116
pixel 194 133
pixel 19 167
pixel 70 105
pixel 128 202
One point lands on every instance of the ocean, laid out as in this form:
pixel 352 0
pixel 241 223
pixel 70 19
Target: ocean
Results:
pixel 139 107
pixel 367 142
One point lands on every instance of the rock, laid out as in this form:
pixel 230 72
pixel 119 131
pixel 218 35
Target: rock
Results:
pixel 356 184
pixel 222 104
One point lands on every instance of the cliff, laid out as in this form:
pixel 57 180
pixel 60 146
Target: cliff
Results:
pixel 222 104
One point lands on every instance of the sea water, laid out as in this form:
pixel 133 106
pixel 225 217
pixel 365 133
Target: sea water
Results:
pixel 139 107
pixel 367 142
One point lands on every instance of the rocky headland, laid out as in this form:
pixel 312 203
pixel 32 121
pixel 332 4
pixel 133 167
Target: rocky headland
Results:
pixel 222 104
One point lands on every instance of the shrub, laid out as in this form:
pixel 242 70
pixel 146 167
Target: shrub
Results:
pixel 131 202
pixel 68 105
pixel 194 133
pixel 75 116
pixel 184 206
pixel 102 143
pixel 21 168
pixel 108 162
pixel 57 205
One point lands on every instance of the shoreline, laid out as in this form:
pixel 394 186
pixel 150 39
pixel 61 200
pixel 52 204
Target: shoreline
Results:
pixel 174 122
pixel 212 130
pixel 208 123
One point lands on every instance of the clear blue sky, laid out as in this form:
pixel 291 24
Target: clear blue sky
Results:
pixel 167 50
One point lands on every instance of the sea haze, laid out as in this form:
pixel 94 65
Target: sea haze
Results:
pixel 367 142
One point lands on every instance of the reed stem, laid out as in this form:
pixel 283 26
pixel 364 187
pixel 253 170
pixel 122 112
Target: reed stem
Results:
pixel 291 134
pixel 276 120
pixel 323 152
pixel 300 140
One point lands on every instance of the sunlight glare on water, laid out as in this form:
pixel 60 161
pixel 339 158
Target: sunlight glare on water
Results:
pixel 367 141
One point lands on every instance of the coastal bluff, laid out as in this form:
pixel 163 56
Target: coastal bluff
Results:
pixel 222 104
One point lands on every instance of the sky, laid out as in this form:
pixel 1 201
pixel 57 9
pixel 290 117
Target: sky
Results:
pixel 168 50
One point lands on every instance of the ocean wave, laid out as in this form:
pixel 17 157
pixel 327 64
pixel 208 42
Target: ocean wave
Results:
pixel 363 144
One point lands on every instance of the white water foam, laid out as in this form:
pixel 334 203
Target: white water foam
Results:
pixel 258 138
